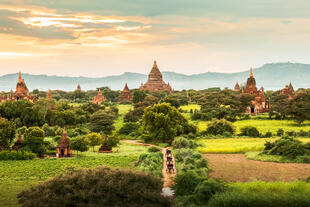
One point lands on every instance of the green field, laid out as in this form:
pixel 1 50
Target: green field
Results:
pixel 236 145
pixel 17 175
pixel 274 158
pixel 123 109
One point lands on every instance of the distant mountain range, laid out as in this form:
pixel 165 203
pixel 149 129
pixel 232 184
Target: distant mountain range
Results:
pixel 272 76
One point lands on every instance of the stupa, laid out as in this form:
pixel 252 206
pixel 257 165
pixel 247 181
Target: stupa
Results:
pixel 125 95
pixel 99 98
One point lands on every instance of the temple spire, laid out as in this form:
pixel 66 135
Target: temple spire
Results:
pixel 19 77
pixel 251 72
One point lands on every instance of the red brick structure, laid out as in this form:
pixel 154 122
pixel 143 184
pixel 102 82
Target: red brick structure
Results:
pixel 18 144
pixel 78 88
pixel 237 87
pixel 155 81
pixel 48 95
pixel 289 90
pixel 259 104
pixel 63 147
pixel 125 95
pixel 99 98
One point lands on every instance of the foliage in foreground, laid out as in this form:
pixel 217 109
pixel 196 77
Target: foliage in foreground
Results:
pixel 151 162
pixel 96 187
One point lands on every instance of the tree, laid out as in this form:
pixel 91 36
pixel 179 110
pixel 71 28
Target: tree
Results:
pixel 301 107
pixel 173 101
pixel 94 139
pixel 97 187
pixel 164 122
pixel 7 133
pixel 80 144
pixel 220 127
pixel 280 106
pixel 138 96
pixel 111 141
pixel 102 122
pixel 34 141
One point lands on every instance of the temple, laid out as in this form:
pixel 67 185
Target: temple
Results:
pixel 155 81
pixel 99 98
pixel 125 95
pixel 22 92
pixel 63 147
pixel 259 104
pixel 48 95
pixel 78 88
pixel 288 90
pixel 237 87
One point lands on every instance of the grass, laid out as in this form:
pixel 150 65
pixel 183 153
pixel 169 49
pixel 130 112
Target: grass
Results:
pixel 267 194
pixel 123 109
pixel 18 175
pixel 274 158
pixel 236 145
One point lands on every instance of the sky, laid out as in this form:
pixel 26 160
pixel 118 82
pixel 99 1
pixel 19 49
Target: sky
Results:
pixel 97 38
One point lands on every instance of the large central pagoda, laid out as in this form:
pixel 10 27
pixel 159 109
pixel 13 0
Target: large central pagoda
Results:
pixel 155 81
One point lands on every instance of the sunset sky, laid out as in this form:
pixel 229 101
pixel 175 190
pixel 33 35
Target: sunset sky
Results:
pixel 97 38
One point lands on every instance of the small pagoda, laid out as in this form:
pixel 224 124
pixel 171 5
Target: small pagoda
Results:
pixel 99 98
pixel 63 147
pixel 125 95
pixel 155 81
pixel 289 91
pixel 18 144
pixel 78 88
pixel 48 95
pixel 237 87
pixel 104 148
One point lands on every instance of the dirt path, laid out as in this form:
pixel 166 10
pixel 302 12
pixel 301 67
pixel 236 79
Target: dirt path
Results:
pixel 236 167
pixel 167 177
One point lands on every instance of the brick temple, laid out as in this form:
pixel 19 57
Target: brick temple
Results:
pixel 289 90
pixel 63 147
pixel 99 98
pixel 155 81
pixel 259 104
pixel 125 96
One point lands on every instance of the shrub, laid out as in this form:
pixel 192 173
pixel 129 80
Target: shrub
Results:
pixel 96 187
pixel 268 134
pixel 21 130
pixel 280 132
pixel 286 146
pixel 205 190
pixel 79 144
pixel 249 131
pixel 181 142
pixel 16 155
pixel 186 182
pixel 128 128
pixel 48 131
pixel 153 149
pixel 302 133
pixel 151 162
pixel 220 127
pixel 291 133
pixel 181 154
pixel 111 141
pixel 34 141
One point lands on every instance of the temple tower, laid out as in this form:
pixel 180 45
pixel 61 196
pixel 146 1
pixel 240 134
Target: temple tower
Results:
pixel 125 95
pixel 63 147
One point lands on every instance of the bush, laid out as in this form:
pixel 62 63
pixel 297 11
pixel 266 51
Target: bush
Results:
pixel 268 134
pixel 181 154
pixel 97 187
pixel 280 132
pixel 151 162
pixel 205 190
pixel 16 155
pixel 302 133
pixel 128 128
pixel 34 141
pixel 291 133
pixel 250 131
pixel 286 146
pixel 220 127
pixel 181 142
pixel 153 149
pixel 186 182
pixel 48 131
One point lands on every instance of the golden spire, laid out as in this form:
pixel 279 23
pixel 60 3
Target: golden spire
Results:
pixel 19 77
pixel 251 72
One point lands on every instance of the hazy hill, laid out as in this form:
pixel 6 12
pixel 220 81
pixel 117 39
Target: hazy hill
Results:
pixel 271 76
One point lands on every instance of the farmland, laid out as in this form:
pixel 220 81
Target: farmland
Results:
pixel 236 145
pixel 17 175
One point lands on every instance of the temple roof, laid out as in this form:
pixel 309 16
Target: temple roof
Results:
pixel 126 88
pixel 64 141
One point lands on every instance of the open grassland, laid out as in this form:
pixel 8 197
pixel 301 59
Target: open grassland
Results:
pixel 236 145
pixel 258 194
pixel 17 175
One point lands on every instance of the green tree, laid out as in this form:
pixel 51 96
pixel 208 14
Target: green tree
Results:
pixel 301 107
pixel 164 122
pixel 94 139
pixel 138 96
pixel 280 106
pixel 7 133
pixel 102 122
pixel 220 127
pixel 111 141
pixel 34 141
pixel 80 144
